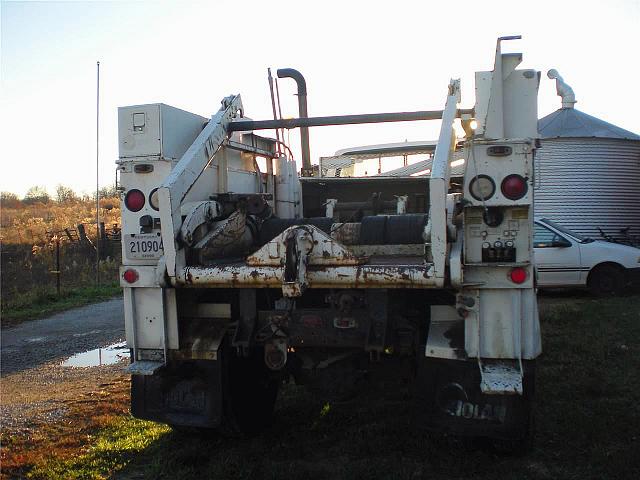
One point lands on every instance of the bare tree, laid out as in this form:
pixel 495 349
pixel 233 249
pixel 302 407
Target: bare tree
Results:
pixel 9 200
pixel 36 194
pixel 65 194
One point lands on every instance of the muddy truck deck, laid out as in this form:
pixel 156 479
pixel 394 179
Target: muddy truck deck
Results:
pixel 241 273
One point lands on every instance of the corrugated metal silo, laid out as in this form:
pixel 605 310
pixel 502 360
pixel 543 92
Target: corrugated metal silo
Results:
pixel 587 174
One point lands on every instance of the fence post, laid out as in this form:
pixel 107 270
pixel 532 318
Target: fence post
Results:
pixel 57 271
pixel 82 234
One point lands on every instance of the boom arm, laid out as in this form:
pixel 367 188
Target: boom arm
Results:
pixel 174 189
pixel 439 183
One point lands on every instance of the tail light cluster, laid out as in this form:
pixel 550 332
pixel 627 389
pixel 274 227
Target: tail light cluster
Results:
pixel 135 200
pixel 513 187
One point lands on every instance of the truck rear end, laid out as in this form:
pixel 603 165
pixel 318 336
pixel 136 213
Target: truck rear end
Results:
pixel 240 275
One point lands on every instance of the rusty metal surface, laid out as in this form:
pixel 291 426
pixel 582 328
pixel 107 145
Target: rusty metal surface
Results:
pixel 238 275
pixel 324 250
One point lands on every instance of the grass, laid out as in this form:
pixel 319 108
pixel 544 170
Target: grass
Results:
pixel 41 302
pixel 113 447
pixel 587 423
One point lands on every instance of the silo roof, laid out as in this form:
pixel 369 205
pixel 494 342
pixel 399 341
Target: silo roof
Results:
pixel 572 123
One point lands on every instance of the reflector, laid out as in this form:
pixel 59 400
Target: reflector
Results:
pixel 518 275
pixel 130 275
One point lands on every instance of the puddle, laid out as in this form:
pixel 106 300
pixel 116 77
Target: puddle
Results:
pixel 84 334
pixel 35 339
pixel 99 356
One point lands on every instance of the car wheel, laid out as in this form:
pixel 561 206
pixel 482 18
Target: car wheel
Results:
pixel 606 280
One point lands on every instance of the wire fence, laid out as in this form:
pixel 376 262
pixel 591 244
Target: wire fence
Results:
pixel 66 259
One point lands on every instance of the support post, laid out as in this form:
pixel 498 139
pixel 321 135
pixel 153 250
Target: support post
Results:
pixel 58 271
pixel 439 183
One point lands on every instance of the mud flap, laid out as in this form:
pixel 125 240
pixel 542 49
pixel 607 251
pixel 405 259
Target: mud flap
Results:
pixel 185 394
pixel 449 400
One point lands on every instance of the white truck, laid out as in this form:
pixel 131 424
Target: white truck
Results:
pixel 238 277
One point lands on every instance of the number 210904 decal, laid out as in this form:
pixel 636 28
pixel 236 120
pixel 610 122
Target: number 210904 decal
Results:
pixel 144 245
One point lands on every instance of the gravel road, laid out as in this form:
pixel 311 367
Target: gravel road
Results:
pixel 39 341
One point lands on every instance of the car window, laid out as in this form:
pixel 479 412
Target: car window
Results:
pixel 581 238
pixel 544 237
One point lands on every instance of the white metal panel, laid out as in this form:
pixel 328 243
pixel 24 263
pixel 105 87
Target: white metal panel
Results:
pixel 156 130
pixel 508 321
pixel 143 138
pixel 481 163
pixel 146 183
pixel 145 306
pixel 178 129
pixel 521 104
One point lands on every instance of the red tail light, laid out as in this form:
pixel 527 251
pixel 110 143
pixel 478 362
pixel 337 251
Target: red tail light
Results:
pixel 130 276
pixel 518 275
pixel 514 187
pixel 134 200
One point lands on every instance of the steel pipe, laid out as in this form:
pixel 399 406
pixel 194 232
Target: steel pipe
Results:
pixel 241 275
pixel 247 125
pixel 302 111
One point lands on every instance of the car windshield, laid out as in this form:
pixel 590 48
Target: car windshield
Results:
pixel 566 231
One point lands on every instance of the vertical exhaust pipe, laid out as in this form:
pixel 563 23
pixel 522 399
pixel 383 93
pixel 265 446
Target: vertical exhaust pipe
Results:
pixel 302 111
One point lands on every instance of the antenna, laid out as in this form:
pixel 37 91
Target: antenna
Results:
pixel 98 175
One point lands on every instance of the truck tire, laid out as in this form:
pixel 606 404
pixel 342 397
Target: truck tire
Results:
pixel 249 394
pixel 606 280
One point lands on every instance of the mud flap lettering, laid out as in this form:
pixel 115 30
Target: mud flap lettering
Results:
pixel 449 399
pixel 474 411
pixel 188 393
pixel 184 397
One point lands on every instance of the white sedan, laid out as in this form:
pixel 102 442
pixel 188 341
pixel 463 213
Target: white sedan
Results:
pixel 567 259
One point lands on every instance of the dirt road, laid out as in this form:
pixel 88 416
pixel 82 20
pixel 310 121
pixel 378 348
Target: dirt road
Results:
pixel 40 341
pixel 47 409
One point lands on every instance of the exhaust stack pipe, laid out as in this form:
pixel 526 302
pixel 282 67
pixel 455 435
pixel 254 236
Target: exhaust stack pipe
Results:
pixel 302 110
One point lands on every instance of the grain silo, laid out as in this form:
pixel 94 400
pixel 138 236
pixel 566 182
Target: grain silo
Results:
pixel 587 171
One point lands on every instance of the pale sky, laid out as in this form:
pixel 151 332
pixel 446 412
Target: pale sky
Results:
pixel 357 57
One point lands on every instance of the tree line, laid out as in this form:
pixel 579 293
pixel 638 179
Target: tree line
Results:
pixel 63 194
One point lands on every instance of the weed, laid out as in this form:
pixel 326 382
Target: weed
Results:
pixel 29 257
pixel 113 447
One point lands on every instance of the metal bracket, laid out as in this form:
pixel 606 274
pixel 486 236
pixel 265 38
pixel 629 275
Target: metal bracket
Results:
pixel 500 379
pixel 377 302
pixel 144 367
pixel 246 319
pixel 204 212
pixel 298 245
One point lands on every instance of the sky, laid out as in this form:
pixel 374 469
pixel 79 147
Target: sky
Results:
pixel 357 57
